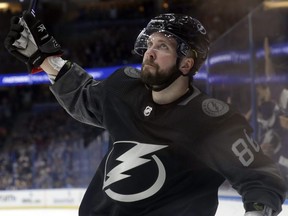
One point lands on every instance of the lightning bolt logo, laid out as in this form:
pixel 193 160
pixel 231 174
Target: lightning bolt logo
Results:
pixel 132 159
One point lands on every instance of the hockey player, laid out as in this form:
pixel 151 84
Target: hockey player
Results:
pixel 173 146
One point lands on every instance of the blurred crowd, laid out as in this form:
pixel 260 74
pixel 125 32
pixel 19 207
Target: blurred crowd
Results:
pixel 41 146
pixel 46 148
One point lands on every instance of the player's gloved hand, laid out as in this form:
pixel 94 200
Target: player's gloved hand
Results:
pixel 29 41
pixel 258 209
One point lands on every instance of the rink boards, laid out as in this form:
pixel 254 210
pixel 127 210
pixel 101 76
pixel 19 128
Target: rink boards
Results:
pixel 65 202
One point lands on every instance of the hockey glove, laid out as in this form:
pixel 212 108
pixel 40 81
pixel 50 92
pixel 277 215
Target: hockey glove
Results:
pixel 29 41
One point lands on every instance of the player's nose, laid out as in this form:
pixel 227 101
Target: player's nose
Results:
pixel 150 54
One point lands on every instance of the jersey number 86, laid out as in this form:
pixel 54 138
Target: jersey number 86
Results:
pixel 242 149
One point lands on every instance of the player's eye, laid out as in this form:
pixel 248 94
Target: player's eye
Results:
pixel 157 46
pixel 163 46
pixel 149 44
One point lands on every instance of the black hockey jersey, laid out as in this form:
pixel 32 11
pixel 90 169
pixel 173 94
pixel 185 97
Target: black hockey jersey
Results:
pixel 166 160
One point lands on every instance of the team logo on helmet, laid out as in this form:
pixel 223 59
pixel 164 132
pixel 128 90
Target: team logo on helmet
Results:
pixel 201 29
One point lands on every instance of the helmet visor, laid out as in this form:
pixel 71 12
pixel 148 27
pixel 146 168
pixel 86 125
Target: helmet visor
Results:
pixel 140 45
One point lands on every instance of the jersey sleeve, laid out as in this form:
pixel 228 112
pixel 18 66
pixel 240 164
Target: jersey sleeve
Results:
pixel 229 149
pixel 80 95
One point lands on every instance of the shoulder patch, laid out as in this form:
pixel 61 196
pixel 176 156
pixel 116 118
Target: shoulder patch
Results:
pixel 214 108
pixel 132 72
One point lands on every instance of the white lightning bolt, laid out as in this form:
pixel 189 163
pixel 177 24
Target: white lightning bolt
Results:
pixel 131 159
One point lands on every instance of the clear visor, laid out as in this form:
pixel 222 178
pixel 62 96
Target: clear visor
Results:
pixel 140 45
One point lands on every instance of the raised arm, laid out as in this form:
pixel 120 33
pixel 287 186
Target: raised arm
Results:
pixel 29 41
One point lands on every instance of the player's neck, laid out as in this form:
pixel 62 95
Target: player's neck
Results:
pixel 173 92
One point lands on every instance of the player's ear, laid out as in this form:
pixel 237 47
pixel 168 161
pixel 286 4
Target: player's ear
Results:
pixel 186 65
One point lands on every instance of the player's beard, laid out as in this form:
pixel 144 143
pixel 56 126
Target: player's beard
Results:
pixel 152 75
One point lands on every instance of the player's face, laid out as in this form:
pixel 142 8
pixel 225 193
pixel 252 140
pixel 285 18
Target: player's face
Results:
pixel 159 61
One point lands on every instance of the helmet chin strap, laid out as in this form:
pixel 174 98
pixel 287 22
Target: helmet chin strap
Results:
pixel 169 81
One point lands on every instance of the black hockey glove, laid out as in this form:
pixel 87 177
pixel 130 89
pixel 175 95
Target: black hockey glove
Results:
pixel 29 41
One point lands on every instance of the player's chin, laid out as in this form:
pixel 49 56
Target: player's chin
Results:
pixel 148 70
pixel 147 76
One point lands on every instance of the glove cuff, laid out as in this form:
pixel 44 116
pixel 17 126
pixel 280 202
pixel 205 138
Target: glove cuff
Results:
pixel 34 62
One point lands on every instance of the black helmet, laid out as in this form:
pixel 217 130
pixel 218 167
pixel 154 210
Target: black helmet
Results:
pixel 188 32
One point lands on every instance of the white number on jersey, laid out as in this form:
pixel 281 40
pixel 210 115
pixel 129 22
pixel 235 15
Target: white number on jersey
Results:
pixel 241 149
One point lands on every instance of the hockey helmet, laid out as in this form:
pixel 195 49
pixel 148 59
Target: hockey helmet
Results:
pixel 188 32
